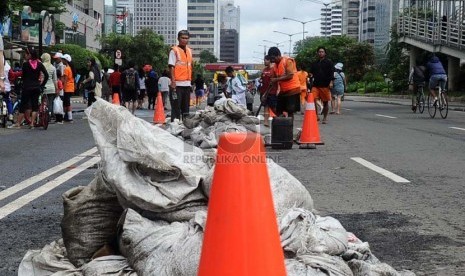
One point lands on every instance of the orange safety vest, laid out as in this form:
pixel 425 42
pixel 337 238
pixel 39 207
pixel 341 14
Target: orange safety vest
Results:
pixel 291 84
pixel 183 66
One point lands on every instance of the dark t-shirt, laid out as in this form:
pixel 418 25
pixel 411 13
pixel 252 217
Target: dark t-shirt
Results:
pixel 199 84
pixel 323 72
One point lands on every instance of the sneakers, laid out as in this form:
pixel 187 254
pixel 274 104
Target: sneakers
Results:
pixel 14 126
pixel 10 117
pixel 60 123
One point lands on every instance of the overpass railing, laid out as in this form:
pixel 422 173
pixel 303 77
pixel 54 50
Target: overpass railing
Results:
pixel 451 34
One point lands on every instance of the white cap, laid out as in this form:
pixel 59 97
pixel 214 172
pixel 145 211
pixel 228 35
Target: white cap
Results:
pixel 67 57
pixel 339 66
pixel 58 55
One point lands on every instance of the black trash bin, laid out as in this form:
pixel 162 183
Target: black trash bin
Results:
pixel 282 133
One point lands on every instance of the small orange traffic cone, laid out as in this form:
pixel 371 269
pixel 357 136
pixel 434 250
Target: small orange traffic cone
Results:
pixel 159 114
pixel 241 234
pixel 115 99
pixel 310 135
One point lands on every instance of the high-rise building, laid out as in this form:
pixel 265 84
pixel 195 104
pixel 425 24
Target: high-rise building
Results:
pixel 331 19
pixel 159 16
pixel 230 30
pixel 125 11
pixel 203 24
pixel 376 20
pixel 83 22
pixel 110 17
pixel 350 18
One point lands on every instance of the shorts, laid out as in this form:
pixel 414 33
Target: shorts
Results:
pixel 322 93
pixel 288 104
pixel 434 81
pixel 271 101
pixel 337 92
pixel 130 95
pixel 141 94
pixel 199 92
pixel 67 99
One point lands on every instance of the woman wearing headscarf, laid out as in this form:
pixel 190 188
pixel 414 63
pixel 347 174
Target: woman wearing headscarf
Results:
pixel 51 88
pixel 32 83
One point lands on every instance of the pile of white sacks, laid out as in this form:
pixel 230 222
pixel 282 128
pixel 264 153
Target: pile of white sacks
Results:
pixel 144 213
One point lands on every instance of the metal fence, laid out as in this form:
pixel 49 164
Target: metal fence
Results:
pixel 451 34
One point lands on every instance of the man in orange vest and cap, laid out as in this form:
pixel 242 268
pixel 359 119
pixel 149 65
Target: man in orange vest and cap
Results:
pixel 288 80
pixel 180 64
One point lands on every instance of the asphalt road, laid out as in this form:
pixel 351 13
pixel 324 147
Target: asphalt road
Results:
pixel 411 213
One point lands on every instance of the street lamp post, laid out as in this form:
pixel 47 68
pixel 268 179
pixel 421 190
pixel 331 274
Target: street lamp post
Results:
pixel 264 49
pixel 290 38
pixel 303 24
pixel 275 43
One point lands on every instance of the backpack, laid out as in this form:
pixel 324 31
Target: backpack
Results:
pixel 130 80
pixel 418 74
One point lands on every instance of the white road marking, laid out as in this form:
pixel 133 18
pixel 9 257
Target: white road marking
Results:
pixel 27 198
pixel 459 128
pixel 380 170
pixel 385 116
pixel 347 109
pixel 28 182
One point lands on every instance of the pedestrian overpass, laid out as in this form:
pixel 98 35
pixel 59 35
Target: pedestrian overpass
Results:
pixel 434 26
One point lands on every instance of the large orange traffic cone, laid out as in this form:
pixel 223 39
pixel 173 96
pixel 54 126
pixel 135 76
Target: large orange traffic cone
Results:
pixel 310 135
pixel 159 114
pixel 115 99
pixel 241 234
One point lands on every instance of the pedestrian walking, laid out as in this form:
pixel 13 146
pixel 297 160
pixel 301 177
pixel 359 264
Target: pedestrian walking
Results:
pixel 51 86
pixel 105 84
pixel 303 79
pixel 142 89
pixel 270 101
pixel 237 86
pixel 164 83
pixel 323 75
pixel 115 83
pixel 288 100
pixel 199 84
pixel 339 88
pixel 68 84
pixel 180 64
pixel 91 82
pixel 130 86
pixel 152 87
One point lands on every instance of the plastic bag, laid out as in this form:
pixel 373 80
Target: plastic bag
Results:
pixel 58 106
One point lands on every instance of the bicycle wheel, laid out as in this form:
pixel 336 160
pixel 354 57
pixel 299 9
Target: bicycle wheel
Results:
pixel 444 106
pixel 421 103
pixel 431 106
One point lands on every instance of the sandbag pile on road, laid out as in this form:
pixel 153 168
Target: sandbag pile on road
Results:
pixel 145 211
pixel 203 128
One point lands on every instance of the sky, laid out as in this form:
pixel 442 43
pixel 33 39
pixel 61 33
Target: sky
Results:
pixel 259 20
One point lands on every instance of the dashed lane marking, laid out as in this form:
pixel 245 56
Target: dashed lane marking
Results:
pixel 385 116
pixel 459 128
pixel 386 173
pixel 30 181
pixel 27 198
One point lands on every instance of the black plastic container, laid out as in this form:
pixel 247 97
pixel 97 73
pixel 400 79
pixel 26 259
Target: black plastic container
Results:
pixel 282 133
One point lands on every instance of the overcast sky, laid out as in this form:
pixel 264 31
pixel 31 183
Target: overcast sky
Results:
pixel 259 20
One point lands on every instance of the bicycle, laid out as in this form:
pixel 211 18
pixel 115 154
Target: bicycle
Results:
pixel 420 99
pixel 440 103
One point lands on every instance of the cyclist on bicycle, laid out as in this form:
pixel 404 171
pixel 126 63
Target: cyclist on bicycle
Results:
pixel 416 79
pixel 437 74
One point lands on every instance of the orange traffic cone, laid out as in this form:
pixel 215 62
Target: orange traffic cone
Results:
pixel 241 234
pixel 310 135
pixel 115 99
pixel 159 114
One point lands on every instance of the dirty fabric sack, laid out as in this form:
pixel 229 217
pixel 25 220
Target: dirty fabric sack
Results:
pixel 302 232
pixel 317 264
pixel 90 217
pixel 50 260
pixel 112 265
pixel 150 169
pixel 159 248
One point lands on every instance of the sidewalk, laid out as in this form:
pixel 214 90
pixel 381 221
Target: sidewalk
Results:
pixel 455 103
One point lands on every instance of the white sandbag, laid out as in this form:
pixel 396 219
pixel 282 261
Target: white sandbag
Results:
pixel 50 260
pixel 159 248
pixel 317 265
pixel 90 218
pixel 362 268
pixel 302 233
pixel 150 170
pixel 112 265
pixel 287 191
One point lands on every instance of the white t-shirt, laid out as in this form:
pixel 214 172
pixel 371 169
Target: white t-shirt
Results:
pixel 142 83
pixel 1 43
pixel 164 84
pixel 172 61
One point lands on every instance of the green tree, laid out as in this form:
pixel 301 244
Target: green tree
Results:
pixel 52 6
pixel 207 57
pixel 397 62
pixel 357 57
pixel 144 48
